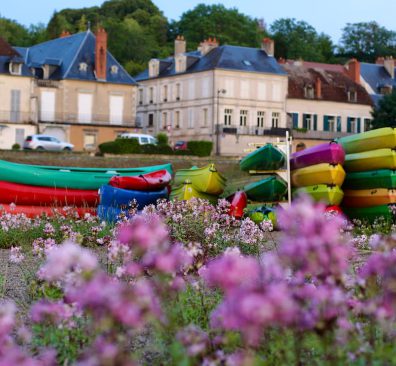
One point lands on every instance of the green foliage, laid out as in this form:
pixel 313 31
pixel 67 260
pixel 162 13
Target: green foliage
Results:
pixel 200 148
pixel 120 146
pixel 162 138
pixel 16 146
pixel 384 115
pixel 14 33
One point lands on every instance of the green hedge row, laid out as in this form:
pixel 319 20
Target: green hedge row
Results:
pixel 131 146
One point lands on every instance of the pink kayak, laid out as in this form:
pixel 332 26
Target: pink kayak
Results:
pixel 330 153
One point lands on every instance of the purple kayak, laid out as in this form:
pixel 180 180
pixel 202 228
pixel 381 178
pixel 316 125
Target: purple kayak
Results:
pixel 330 153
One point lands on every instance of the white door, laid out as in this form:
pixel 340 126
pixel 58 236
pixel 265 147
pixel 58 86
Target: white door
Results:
pixel 57 132
pixel 47 110
pixel 84 107
pixel 116 108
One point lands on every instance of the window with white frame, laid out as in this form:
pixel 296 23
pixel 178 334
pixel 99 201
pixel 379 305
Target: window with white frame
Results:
pixel 164 120
pixel 260 118
pixel 151 120
pixel 15 68
pixel 332 123
pixel 177 91
pixel 307 121
pixel 140 96
pixel 352 96
pixel 177 119
pixel 205 117
pixel 228 117
pixel 83 66
pixel 114 69
pixel 243 114
pixel 275 119
pixel 165 93
pixel 309 92
pixel 151 94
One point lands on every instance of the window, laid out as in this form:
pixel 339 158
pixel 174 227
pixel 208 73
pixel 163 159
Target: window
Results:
pixel 151 94
pixel 177 119
pixel 247 63
pixel 352 96
pixel 151 120
pixel 204 117
pixel 243 117
pixel 177 91
pixel 83 66
pixel 353 125
pixel 140 96
pixel 114 69
pixel 275 119
pixel 307 121
pixel 165 93
pixel 15 68
pixel 309 92
pixel 228 117
pixel 293 117
pixel 332 123
pixel 367 124
pixel 144 140
pixel 385 89
pixel 164 120
pixel 260 118
pixel 191 118
pixel 89 141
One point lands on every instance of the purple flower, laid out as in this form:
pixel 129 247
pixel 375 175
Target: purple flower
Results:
pixel 16 255
pixel 194 340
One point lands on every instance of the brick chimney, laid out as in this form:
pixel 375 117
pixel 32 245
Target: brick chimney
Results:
pixel 353 70
pixel 101 54
pixel 268 45
pixel 208 45
pixel 318 88
pixel 180 45
pixel 389 64
pixel 64 34
pixel 281 61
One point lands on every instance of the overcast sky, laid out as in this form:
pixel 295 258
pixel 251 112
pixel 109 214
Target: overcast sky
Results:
pixel 328 16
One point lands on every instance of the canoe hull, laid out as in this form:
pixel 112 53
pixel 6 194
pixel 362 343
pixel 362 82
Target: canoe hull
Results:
pixel 267 157
pixel 370 160
pixel 34 211
pixel 331 195
pixel 369 213
pixel 369 197
pixel 186 192
pixel 145 182
pixel 318 174
pixel 383 178
pixel 270 189
pixel 238 203
pixel 330 153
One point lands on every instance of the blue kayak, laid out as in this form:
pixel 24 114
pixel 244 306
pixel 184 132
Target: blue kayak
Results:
pixel 110 214
pixel 118 197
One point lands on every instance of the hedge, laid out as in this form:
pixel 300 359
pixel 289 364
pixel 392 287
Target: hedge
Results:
pixel 200 148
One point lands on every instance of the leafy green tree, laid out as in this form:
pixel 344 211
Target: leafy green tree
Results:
pixel 384 115
pixel 367 40
pixel 37 33
pixel 14 33
pixel 298 39
pixel 57 25
pixel 228 25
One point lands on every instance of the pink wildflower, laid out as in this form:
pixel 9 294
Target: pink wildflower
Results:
pixel 16 255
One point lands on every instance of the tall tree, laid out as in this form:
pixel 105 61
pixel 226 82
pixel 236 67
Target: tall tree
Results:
pixel 384 115
pixel 14 33
pixel 367 40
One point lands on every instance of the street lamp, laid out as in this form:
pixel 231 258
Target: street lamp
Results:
pixel 219 91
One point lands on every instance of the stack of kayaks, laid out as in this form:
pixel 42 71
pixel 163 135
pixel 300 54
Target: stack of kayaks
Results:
pixel 267 157
pixel 370 184
pixel 318 172
pixel 206 183
pixel 37 189
pixel 123 191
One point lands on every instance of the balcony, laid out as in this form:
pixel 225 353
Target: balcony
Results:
pixel 318 135
pixel 15 117
pixel 47 83
pixel 276 131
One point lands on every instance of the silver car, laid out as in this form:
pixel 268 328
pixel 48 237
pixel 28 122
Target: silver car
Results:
pixel 45 142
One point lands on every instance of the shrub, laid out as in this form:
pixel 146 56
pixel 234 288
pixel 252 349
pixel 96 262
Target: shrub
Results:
pixel 200 148
pixel 16 147
pixel 156 149
pixel 162 139
pixel 120 146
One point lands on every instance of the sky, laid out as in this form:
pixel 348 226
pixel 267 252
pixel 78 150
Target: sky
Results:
pixel 328 16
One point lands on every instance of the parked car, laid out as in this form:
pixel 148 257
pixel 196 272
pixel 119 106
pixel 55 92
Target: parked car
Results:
pixel 141 138
pixel 180 145
pixel 45 142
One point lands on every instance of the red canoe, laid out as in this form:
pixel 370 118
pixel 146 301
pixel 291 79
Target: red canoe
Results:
pixel 34 211
pixel 22 194
pixel 145 182
pixel 238 204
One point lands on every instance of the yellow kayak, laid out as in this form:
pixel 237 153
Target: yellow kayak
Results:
pixel 205 180
pixel 370 160
pixel 186 191
pixel 369 197
pixel 318 174
pixel 331 195
pixel 369 140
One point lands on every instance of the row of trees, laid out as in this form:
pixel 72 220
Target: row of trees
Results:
pixel 139 31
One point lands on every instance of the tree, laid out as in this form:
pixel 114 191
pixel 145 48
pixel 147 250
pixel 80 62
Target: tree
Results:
pixel 298 39
pixel 384 115
pixel 367 40
pixel 14 33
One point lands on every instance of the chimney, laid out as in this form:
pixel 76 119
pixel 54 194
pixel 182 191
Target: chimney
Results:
pixel 180 45
pixel 353 70
pixel 64 34
pixel 281 61
pixel 101 54
pixel 318 88
pixel 379 61
pixel 268 45
pixel 208 45
pixel 389 64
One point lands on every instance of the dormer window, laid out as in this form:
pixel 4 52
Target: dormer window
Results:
pixel 385 89
pixel 114 69
pixel 247 63
pixel 352 96
pixel 83 67
pixel 309 92
pixel 15 68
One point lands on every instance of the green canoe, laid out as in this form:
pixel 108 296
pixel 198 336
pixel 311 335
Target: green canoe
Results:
pixel 331 195
pixel 270 189
pixel 68 177
pixel 187 191
pixel 267 157
pixel 383 178
pixel 368 213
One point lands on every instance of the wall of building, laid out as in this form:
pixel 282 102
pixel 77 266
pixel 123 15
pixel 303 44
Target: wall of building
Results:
pixel 11 133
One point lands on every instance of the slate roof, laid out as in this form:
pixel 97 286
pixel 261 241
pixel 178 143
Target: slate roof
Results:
pixel 376 76
pixel 10 54
pixel 67 53
pixel 222 57
pixel 334 85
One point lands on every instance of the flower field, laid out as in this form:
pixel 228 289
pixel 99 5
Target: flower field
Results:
pixel 183 283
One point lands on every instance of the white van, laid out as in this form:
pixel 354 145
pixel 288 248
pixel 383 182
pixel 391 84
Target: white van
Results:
pixel 142 139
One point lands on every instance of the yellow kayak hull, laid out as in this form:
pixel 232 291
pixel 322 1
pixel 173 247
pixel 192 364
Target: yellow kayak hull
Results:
pixel 369 197
pixel 186 192
pixel 370 160
pixel 318 174
pixel 331 195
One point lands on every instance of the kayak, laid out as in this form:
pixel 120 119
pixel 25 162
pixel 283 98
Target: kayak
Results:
pixel 370 160
pixel 118 197
pixel 260 214
pixel 369 197
pixel 67 177
pixel 383 178
pixel 318 174
pixel 111 214
pixel 206 179
pixel 34 211
pixel 267 157
pixel 331 195
pixel 22 194
pixel 238 203
pixel 145 182
pixel 369 140
pixel 187 191
pixel 270 189
pixel 369 213
pixel 330 153
pixel 334 210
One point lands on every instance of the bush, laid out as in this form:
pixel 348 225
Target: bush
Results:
pixel 16 147
pixel 156 149
pixel 200 148
pixel 162 139
pixel 120 146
